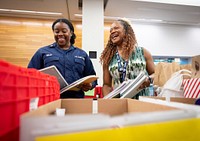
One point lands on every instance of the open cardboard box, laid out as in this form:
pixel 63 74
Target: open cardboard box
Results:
pixel 181 103
pixel 40 121
pixel 106 106
pixel 175 99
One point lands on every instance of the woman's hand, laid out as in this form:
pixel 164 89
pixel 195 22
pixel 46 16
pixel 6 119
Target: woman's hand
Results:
pixel 86 86
pixel 145 84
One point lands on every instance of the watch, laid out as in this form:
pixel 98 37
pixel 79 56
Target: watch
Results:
pixel 150 80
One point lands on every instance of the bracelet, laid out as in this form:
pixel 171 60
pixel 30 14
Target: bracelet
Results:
pixel 150 80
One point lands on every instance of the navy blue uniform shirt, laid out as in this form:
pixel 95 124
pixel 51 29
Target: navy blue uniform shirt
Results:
pixel 73 64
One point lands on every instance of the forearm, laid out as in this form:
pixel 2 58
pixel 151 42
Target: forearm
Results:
pixel 151 77
pixel 106 89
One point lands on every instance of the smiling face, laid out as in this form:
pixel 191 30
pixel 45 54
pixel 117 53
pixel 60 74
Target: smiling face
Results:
pixel 62 35
pixel 117 33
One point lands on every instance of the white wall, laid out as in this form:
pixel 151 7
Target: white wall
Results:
pixel 159 39
pixel 168 40
pixel 165 40
pixel 93 32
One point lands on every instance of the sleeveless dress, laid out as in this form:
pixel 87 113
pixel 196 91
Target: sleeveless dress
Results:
pixel 136 64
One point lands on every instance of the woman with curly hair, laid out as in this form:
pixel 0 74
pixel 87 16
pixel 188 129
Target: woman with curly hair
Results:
pixel 123 59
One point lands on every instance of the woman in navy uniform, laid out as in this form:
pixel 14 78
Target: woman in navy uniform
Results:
pixel 72 62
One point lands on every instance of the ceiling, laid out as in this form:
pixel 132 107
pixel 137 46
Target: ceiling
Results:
pixel 135 10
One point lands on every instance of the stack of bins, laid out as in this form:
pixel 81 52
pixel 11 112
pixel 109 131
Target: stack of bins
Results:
pixel 18 86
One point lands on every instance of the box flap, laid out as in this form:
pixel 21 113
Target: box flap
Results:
pixel 77 106
pixel 175 99
pixel 140 106
pixel 113 106
pixel 43 110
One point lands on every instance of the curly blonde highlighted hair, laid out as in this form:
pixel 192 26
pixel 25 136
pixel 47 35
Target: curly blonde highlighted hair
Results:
pixel 128 44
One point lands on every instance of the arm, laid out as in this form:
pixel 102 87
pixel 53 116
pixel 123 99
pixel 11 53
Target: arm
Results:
pixel 36 61
pixel 89 70
pixel 107 81
pixel 150 67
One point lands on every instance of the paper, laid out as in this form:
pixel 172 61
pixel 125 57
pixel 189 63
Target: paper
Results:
pixel 34 103
pixel 127 89
pixel 64 86
pixel 133 87
pixel 60 112
pixel 73 86
pixel 116 92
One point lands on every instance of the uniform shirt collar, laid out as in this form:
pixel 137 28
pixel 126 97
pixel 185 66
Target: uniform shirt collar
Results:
pixel 55 45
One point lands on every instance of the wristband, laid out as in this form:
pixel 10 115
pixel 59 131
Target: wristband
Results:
pixel 150 80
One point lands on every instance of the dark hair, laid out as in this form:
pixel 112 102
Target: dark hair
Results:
pixel 129 42
pixel 125 24
pixel 73 37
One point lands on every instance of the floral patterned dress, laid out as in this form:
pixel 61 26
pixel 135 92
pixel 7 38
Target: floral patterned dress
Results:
pixel 136 64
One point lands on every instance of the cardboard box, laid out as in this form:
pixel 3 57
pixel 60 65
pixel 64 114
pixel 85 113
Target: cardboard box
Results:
pixel 106 106
pixel 196 66
pixel 39 122
pixel 181 103
pixel 175 99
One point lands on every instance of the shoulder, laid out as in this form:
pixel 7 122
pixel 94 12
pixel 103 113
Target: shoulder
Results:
pixel 47 47
pixel 143 51
pixel 79 51
pixel 139 50
pixel 146 53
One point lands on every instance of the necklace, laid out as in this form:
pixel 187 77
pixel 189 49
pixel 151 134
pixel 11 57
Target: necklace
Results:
pixel 121 70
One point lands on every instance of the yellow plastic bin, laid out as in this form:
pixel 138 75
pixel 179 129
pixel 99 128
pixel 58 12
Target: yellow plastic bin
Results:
pixel 179 130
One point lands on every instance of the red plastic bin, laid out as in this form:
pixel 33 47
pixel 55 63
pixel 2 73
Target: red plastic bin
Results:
pixel 18 86
pixel 98 92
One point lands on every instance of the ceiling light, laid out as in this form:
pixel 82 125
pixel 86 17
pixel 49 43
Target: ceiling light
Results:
pixel 147 20
pixel 179 2
pixel 32 12
pixel 131 19
pixel 78 15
